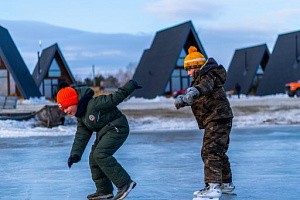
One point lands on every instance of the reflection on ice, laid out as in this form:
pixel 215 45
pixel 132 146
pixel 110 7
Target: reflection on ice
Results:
pixel 165 164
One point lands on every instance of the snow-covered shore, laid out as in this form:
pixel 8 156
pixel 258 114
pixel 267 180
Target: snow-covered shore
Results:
pixel 160 114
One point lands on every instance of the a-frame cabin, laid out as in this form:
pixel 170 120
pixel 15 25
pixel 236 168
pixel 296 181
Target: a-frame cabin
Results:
pixel 283 66
pixel 15 78
pixel 160 70
pixel 247 68
pixel 50 70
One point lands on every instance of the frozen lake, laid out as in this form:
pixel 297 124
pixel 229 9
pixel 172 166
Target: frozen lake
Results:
pixel 165 164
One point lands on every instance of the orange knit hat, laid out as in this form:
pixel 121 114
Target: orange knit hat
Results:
pixel 66 97
pixel 194 59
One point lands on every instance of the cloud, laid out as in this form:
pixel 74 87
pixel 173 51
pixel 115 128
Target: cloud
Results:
pixel 232 15
pixel 188 9
pixel 283 19
pixel 110 52
pixel 72 48
pixel 277 21
pixel 81 50
pixel 90 54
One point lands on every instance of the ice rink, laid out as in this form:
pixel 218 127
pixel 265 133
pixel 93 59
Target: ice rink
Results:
pixel 165 164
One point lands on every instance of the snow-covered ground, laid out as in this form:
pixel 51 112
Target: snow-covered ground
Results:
pixel 160 114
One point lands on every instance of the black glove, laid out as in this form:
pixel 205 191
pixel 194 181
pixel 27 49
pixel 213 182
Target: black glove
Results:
pixel 179 103
pixel 136 85
pixel 73 159
pixel 190 94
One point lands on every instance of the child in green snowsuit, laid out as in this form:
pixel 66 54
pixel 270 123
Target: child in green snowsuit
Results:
pixel 101 115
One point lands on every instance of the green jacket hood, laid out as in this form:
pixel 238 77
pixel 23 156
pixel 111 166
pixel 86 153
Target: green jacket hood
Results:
pixel 84 91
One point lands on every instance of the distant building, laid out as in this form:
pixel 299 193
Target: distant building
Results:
pixel 247 69
pixel 15 78
pixel 50 70
pixel 160 70
pixel 283 66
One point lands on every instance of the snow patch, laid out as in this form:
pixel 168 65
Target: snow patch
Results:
pixel 276 109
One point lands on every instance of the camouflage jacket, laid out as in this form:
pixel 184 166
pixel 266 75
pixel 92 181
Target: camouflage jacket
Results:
pixel 212 103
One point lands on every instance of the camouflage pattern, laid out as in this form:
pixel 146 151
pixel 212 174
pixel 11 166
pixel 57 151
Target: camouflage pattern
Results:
pixel 213 113
pixel 215 145
pixel 212 103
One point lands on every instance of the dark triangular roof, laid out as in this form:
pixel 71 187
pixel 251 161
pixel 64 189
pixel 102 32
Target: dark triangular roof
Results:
pixel 16 66
pixel 244 65
pixel 157 63
pixel 42 67
pixel 283 66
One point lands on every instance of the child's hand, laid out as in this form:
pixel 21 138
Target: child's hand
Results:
pixel 137 86
pixel 190 94
pixel 73 159
pixel 179 103
pixel 189 99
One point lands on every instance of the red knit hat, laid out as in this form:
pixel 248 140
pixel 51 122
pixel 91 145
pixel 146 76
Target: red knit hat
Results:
pixel 66 97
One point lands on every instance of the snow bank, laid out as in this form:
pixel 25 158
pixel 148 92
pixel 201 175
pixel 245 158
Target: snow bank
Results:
pixel 270 110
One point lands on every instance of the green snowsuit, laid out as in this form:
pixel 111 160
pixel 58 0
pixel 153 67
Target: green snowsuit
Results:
pixel 103 116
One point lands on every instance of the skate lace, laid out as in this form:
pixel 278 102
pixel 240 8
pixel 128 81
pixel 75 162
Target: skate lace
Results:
pixel 204 189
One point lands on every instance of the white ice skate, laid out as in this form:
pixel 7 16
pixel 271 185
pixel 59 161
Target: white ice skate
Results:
pixel 210 192
pixel 227 188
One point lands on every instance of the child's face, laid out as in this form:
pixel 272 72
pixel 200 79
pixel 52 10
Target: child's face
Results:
pixel 191 72
pixel 71 110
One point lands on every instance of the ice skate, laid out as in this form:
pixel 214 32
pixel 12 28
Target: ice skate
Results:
pixel 124 191
pixel 98 195
pixel 227 188
pixel 211 192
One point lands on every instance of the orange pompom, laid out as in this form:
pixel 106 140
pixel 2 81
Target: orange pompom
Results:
pixel 192 49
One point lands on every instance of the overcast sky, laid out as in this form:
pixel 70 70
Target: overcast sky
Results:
pixel 148 16
pixel 222 26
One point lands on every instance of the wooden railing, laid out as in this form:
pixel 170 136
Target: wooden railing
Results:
pixel 8 102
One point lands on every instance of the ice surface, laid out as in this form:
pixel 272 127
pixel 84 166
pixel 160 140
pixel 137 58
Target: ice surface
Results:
pixel 165 164
pixel 164 160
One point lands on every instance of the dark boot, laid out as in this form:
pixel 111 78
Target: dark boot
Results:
pixel 99 195
pixel 124 190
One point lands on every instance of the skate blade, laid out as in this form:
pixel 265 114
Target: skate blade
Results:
pixel 230 193
pixel 205 198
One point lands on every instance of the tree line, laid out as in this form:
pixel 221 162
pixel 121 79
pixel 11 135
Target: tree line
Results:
pixel 111 81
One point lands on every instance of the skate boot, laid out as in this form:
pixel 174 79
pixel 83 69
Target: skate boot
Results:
pixel 211 191
pixel 99 195
pixel 124 190
pixel 227 188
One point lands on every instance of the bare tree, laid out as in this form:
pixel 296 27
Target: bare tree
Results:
pixel 111 82
pixel 124 76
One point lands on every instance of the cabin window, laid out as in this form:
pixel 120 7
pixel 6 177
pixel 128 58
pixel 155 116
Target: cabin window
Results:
pixel 54 70
pixel 179 79
pixel 12 85
pixel 259 70
pixel 3 82
pixel 50 87
pixel 180 60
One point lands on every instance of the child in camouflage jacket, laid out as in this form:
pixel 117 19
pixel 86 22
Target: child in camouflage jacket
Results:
pixel 212 110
